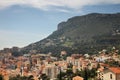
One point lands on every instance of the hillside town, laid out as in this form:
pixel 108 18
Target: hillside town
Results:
pixel 101 66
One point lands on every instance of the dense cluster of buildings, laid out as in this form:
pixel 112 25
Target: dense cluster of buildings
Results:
pixel 38 64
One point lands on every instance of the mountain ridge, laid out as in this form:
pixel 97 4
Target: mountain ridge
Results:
pixel 81 31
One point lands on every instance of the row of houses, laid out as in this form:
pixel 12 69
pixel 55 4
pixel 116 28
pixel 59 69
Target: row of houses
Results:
pixel 38 64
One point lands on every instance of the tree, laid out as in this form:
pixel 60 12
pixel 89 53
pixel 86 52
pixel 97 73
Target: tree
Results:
pixel 44 77
pixel 70 74
pixel 92 73
pixel 1 77
pixel 31 77
pixel 86 74
pixel 78 73
pixel 18 77
pixel 61 75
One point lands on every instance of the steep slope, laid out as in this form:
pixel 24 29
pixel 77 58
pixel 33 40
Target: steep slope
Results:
pixel 82 34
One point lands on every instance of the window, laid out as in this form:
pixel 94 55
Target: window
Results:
pixel 110 76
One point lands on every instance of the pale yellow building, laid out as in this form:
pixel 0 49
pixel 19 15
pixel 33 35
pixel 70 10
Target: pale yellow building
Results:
pixel 112 73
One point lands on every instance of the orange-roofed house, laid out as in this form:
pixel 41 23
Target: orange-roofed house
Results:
pixel 112 73
pixel 77 78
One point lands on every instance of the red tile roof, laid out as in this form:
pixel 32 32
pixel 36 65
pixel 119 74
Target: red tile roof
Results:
pixel 77 78
pixel 115 70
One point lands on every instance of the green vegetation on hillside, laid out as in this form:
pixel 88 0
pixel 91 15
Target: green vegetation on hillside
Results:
pixel 82 34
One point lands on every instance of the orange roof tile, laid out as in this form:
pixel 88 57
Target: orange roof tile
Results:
pixel 77 78
pixel 115 70
pixel 105 65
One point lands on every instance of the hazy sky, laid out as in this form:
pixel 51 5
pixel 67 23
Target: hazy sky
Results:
pixel 23 22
